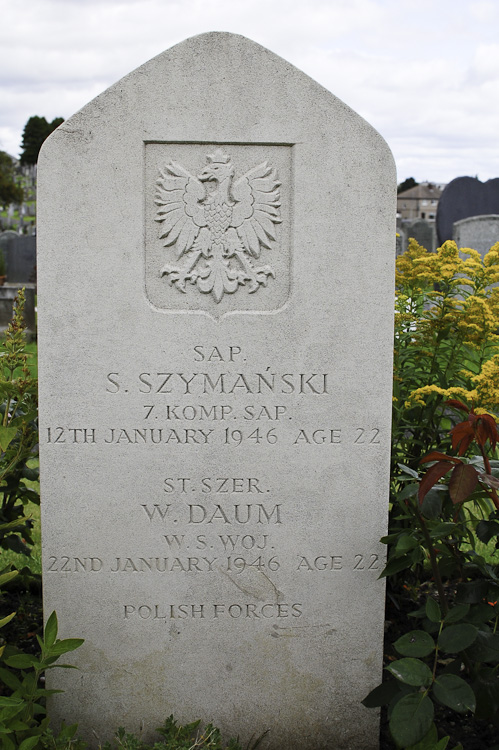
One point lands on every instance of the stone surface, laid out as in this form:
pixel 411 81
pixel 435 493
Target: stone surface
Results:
pixel 477 232
pixel 20 256
pixel 215 337
pixel 423 232
pixel 464 197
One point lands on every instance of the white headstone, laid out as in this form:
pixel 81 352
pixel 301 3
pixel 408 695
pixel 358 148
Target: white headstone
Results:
pixel 215 254
pixel 477 232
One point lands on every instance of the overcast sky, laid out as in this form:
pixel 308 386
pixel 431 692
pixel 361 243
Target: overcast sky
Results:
pixel 425 73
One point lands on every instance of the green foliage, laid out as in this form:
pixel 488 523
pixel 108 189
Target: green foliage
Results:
pixel 23 720
pixel 10 191
pixel 36 130
pixel 18 435
pixel 446 348
pixel 178 737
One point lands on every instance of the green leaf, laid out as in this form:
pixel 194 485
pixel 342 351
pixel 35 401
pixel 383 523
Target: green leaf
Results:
pixel 408 491
pixel 395 565
pixel 7 435
pixel 428 742
pixel 455 638
pixel 9 679
pixel 431 507
pixel 411 719
pixel 7 742
pixel 6 577
pixel 62 647
pixel 22 661
pixel 411 671
pixel 415 643
pixel 456 613
pixel 454 692
pixel 29 743
pixel 486 689
pixel 480 613
pixel 486 530
pixel 433 610
pixel 7 619
pixel 50 632
pixel 442 530
pixel 382 694
pixel 4 701
pixel 409 471
pixel 485 648
pixel 405 543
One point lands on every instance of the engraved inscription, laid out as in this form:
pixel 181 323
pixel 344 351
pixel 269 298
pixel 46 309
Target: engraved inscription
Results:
pixel 228 554
pixel 218 224
pixel 267 611
pixel 219 435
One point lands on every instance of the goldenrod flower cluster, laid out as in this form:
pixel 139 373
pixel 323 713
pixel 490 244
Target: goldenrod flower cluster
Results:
pixel 447 327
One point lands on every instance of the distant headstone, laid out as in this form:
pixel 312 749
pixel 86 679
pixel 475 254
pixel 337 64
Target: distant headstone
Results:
pixel 400 244
pixel 215 256
pixel 423 232
pixel 477 232
pixel 462 198
pixel 20 256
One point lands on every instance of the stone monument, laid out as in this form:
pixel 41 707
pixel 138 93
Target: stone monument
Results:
pixel 477 232
pixel 464 197
pixel 423 232
pixel 216 241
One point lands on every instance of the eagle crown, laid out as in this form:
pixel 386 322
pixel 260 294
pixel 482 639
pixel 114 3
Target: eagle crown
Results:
pixel 218 169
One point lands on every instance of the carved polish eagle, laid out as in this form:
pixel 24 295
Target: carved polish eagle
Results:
pixel 218 224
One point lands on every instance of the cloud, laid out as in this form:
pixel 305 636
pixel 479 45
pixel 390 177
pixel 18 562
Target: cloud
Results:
pixel 426 75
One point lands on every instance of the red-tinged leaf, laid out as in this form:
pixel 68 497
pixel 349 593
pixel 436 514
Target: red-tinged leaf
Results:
pixel 437 456
pixel 463 480
pixel 487 430
pixel 458 405
pixel 489 480
pixel 434 473
pixel 463 435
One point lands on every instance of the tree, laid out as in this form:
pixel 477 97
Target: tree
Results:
pixel 36 130
pixel 407 184
pixel 9 191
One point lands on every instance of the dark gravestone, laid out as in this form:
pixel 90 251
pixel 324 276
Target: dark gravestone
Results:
pixel 423 232
pixel 20 257
pixel 464 197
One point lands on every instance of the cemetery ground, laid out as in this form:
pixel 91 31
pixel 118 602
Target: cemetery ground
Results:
pixel 441 655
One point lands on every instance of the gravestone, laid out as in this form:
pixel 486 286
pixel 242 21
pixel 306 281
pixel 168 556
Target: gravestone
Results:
pixel 216 240
pixel 423 232
pixel 462 198
pixel 20 256
pixel 400 242
pixel 477 232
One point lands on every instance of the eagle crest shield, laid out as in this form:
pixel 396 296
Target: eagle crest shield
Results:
pixel 218 224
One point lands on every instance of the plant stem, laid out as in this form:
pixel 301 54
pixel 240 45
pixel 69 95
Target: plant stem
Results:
pixel 434 563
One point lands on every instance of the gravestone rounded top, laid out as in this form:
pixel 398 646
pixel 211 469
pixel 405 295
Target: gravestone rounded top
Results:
pixel 477 219
pixel 464 197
